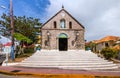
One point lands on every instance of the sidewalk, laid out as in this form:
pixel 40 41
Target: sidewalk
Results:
pixel 44 71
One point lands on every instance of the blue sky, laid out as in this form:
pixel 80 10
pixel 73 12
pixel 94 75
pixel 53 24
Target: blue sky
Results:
pixel 99 17
pixel 30 8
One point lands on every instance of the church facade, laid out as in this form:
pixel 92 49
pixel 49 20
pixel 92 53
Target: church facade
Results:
pixel 62 32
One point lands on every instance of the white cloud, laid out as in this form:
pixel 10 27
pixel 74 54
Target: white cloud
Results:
pixel 2 7
pixel 100 17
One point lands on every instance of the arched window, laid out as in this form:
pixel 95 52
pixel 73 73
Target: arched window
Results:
pixel 62 23
pixel 70 25
pixel 55 24
pixel 63 35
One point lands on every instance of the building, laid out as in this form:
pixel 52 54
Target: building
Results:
pixel 62 32
pixel 108 41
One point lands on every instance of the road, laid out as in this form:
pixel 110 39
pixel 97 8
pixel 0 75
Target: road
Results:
pixel 9 76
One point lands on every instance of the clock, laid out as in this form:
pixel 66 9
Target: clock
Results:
pixel 62 14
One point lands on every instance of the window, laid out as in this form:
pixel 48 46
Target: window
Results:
pixel 70 25
pixel 62 23
pixel 55 24
pixel 106 44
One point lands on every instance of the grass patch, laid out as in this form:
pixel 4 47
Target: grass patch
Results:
pixel 21 57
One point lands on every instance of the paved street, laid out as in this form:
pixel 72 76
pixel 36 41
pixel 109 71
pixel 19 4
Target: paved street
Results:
pixel 8 76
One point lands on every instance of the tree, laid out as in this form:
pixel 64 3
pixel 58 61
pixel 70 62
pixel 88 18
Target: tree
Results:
pixel 91 45
pixel 23 25
pixel 21 37
pixel 2 30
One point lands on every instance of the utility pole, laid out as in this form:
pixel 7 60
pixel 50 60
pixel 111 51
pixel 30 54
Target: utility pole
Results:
pixel 12 29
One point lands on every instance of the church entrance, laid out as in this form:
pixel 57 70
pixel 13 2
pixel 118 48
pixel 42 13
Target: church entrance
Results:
pixel 63 42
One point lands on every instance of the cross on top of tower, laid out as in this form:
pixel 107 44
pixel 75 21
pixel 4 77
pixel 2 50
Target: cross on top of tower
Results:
pixel 62 6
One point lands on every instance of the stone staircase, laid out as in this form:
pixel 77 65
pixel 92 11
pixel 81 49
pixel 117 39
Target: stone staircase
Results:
pixel 78 60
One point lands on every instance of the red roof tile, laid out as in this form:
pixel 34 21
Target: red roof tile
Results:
pixel 107 38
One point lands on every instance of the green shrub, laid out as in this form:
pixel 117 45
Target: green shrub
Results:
pixel 109 53
pixel 29 50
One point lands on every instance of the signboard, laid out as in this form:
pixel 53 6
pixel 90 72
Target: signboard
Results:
pixel 7 49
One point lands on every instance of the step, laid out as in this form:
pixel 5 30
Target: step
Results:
pixel 86 60
pixel 70 61
pixel 67 60
pixel 67 64
pixel 66 57
pixel 70 66
pixel 87 68
pixel 74 67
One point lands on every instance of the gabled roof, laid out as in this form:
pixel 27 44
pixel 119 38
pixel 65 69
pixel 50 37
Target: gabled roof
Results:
pixel 67 13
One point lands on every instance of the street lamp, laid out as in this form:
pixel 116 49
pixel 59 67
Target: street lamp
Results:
pixel 48 33
pixel 76 39
pixel 48 38
pixel 77 34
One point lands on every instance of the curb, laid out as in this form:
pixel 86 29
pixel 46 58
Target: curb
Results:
pixel 49 75
pixel 57 75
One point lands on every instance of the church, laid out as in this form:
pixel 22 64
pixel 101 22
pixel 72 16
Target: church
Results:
pixel 63 47
pixel 62 32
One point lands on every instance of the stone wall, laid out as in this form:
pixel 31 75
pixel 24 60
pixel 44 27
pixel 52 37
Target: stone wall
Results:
pixel 54 42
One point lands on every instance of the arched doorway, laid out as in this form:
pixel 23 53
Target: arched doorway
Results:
pixel 63 42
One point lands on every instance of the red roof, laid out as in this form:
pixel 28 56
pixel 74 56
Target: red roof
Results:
pixel 8 44
pixel 107 38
